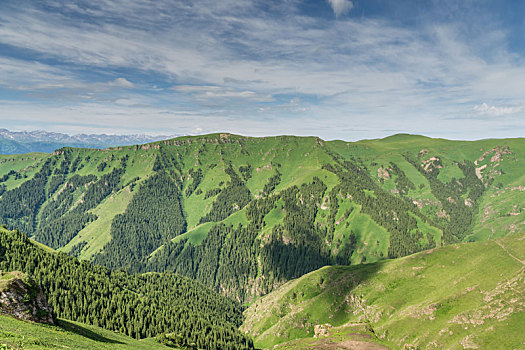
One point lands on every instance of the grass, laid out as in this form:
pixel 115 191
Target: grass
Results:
pixel 5 277
pixel 26 164
pixel 97 233
pixel 367 232
pixel 43 246
pixel 501 212
pixel 195 206
pixel 469 293
pixel 386 293
pixel 275 216
pixel 18 334
pixel 237 218
pixel 196 235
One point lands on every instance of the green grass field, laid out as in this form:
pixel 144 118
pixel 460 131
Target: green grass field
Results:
pixel 17 334
pixel 349 336
pixel 440 298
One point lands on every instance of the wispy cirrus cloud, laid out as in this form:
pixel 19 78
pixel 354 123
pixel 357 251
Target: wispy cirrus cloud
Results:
pixel 205 92
pixel 485 109
pixel 247 61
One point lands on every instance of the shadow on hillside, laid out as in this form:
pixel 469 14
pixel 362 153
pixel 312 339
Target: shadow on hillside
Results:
pixel 326 296
pixel 345 278
pixel 84 331
pixel 290 262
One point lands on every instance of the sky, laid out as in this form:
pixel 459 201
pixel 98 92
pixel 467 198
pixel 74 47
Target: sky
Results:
pixel 337 69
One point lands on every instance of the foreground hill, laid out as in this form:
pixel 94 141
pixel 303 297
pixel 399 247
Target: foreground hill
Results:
pixel 139 306
pixel 244 215
pixel 17 334
pixel 468 295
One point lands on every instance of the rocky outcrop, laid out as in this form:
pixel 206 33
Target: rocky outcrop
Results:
pixel 321 330
pixel 23 299
pixel 383 173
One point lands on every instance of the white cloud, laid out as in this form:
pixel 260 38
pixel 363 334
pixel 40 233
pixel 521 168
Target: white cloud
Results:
pixel 365 56
pixel 121 82
pixel 235 61
pixel 341 7
pixel 494 110
pixel 195 88
pixel 29 75
pixel 34 76
pixel 205 92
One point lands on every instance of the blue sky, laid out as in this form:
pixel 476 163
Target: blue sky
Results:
pixel 337 69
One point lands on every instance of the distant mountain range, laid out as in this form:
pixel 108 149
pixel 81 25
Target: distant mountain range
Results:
pixel 17 142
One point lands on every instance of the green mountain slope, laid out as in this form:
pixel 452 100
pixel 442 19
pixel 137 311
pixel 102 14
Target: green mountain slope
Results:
pixel 244 215
pixel 17 334
pixel 468 295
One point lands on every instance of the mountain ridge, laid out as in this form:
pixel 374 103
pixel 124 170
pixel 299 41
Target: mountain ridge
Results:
pixel 334 202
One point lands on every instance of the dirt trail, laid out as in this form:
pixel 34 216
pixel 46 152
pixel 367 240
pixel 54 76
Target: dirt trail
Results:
pixel 510 254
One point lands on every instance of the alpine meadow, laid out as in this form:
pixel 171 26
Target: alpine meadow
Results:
pixel 262 174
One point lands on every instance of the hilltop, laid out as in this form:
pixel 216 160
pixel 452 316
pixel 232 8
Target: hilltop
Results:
pixel 245 215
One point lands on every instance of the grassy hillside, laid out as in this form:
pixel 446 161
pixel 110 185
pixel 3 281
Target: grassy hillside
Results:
pixel 17 334
pixel 152 207
pixel 468 295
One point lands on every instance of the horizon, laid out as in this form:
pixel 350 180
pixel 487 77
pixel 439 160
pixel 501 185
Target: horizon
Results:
pixel 172 137
pixel 335 69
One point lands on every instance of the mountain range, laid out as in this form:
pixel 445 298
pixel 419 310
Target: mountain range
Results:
pixel 277 223
pixel 17 142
